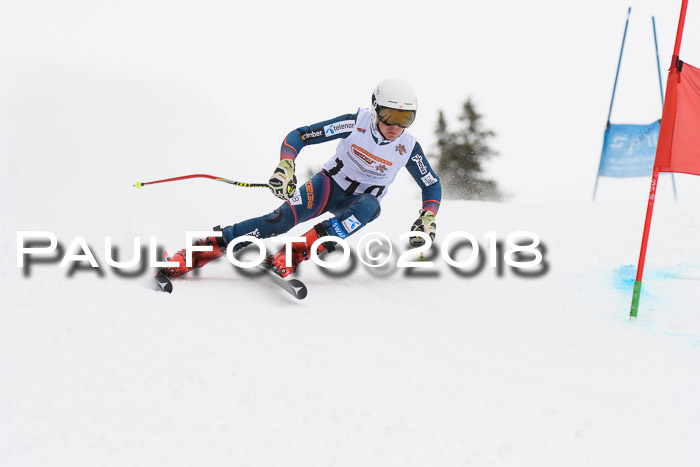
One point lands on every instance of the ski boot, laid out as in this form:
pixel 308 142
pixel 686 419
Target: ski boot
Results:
pixel 199 258
pixel 277 263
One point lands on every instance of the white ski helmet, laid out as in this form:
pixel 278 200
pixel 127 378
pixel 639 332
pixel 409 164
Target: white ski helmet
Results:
pixel 394 102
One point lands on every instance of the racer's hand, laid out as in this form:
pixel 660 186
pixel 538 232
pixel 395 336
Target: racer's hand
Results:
pixel 424 223
pixel 283 182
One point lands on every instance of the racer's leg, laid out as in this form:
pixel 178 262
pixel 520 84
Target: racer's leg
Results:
pixel 310 201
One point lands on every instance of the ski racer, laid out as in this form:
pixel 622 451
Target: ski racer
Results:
pixel 373 145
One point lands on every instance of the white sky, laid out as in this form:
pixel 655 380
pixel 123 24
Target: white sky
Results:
pixel 90 88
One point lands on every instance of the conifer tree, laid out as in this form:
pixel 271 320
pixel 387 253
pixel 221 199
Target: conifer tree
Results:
pixel 461 154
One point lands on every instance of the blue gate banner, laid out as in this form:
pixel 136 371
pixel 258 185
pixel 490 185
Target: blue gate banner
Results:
pixel 629 150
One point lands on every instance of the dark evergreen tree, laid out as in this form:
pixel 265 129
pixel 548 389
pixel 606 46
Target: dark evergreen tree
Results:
pixel 460 156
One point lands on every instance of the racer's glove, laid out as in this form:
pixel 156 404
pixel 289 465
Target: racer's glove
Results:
pixel 283 182
pixel 424 223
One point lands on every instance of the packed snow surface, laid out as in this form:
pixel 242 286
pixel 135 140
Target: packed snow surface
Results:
pixel 373 368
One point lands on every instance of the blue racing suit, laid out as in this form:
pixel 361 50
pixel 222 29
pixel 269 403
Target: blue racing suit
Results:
pixel 351 183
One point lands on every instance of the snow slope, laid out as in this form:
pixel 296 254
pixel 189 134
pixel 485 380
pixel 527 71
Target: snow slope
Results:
pixel 370 369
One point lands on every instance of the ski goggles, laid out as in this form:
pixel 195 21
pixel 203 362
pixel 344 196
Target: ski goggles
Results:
pixel 402 118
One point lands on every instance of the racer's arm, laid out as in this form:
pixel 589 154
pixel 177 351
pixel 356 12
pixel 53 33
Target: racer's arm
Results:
pixel 314 134
pixel 419 168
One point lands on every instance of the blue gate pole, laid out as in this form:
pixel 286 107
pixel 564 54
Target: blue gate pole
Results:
pixel 661 87
pixel 619 61
pixel 658 65
pixel 612 99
